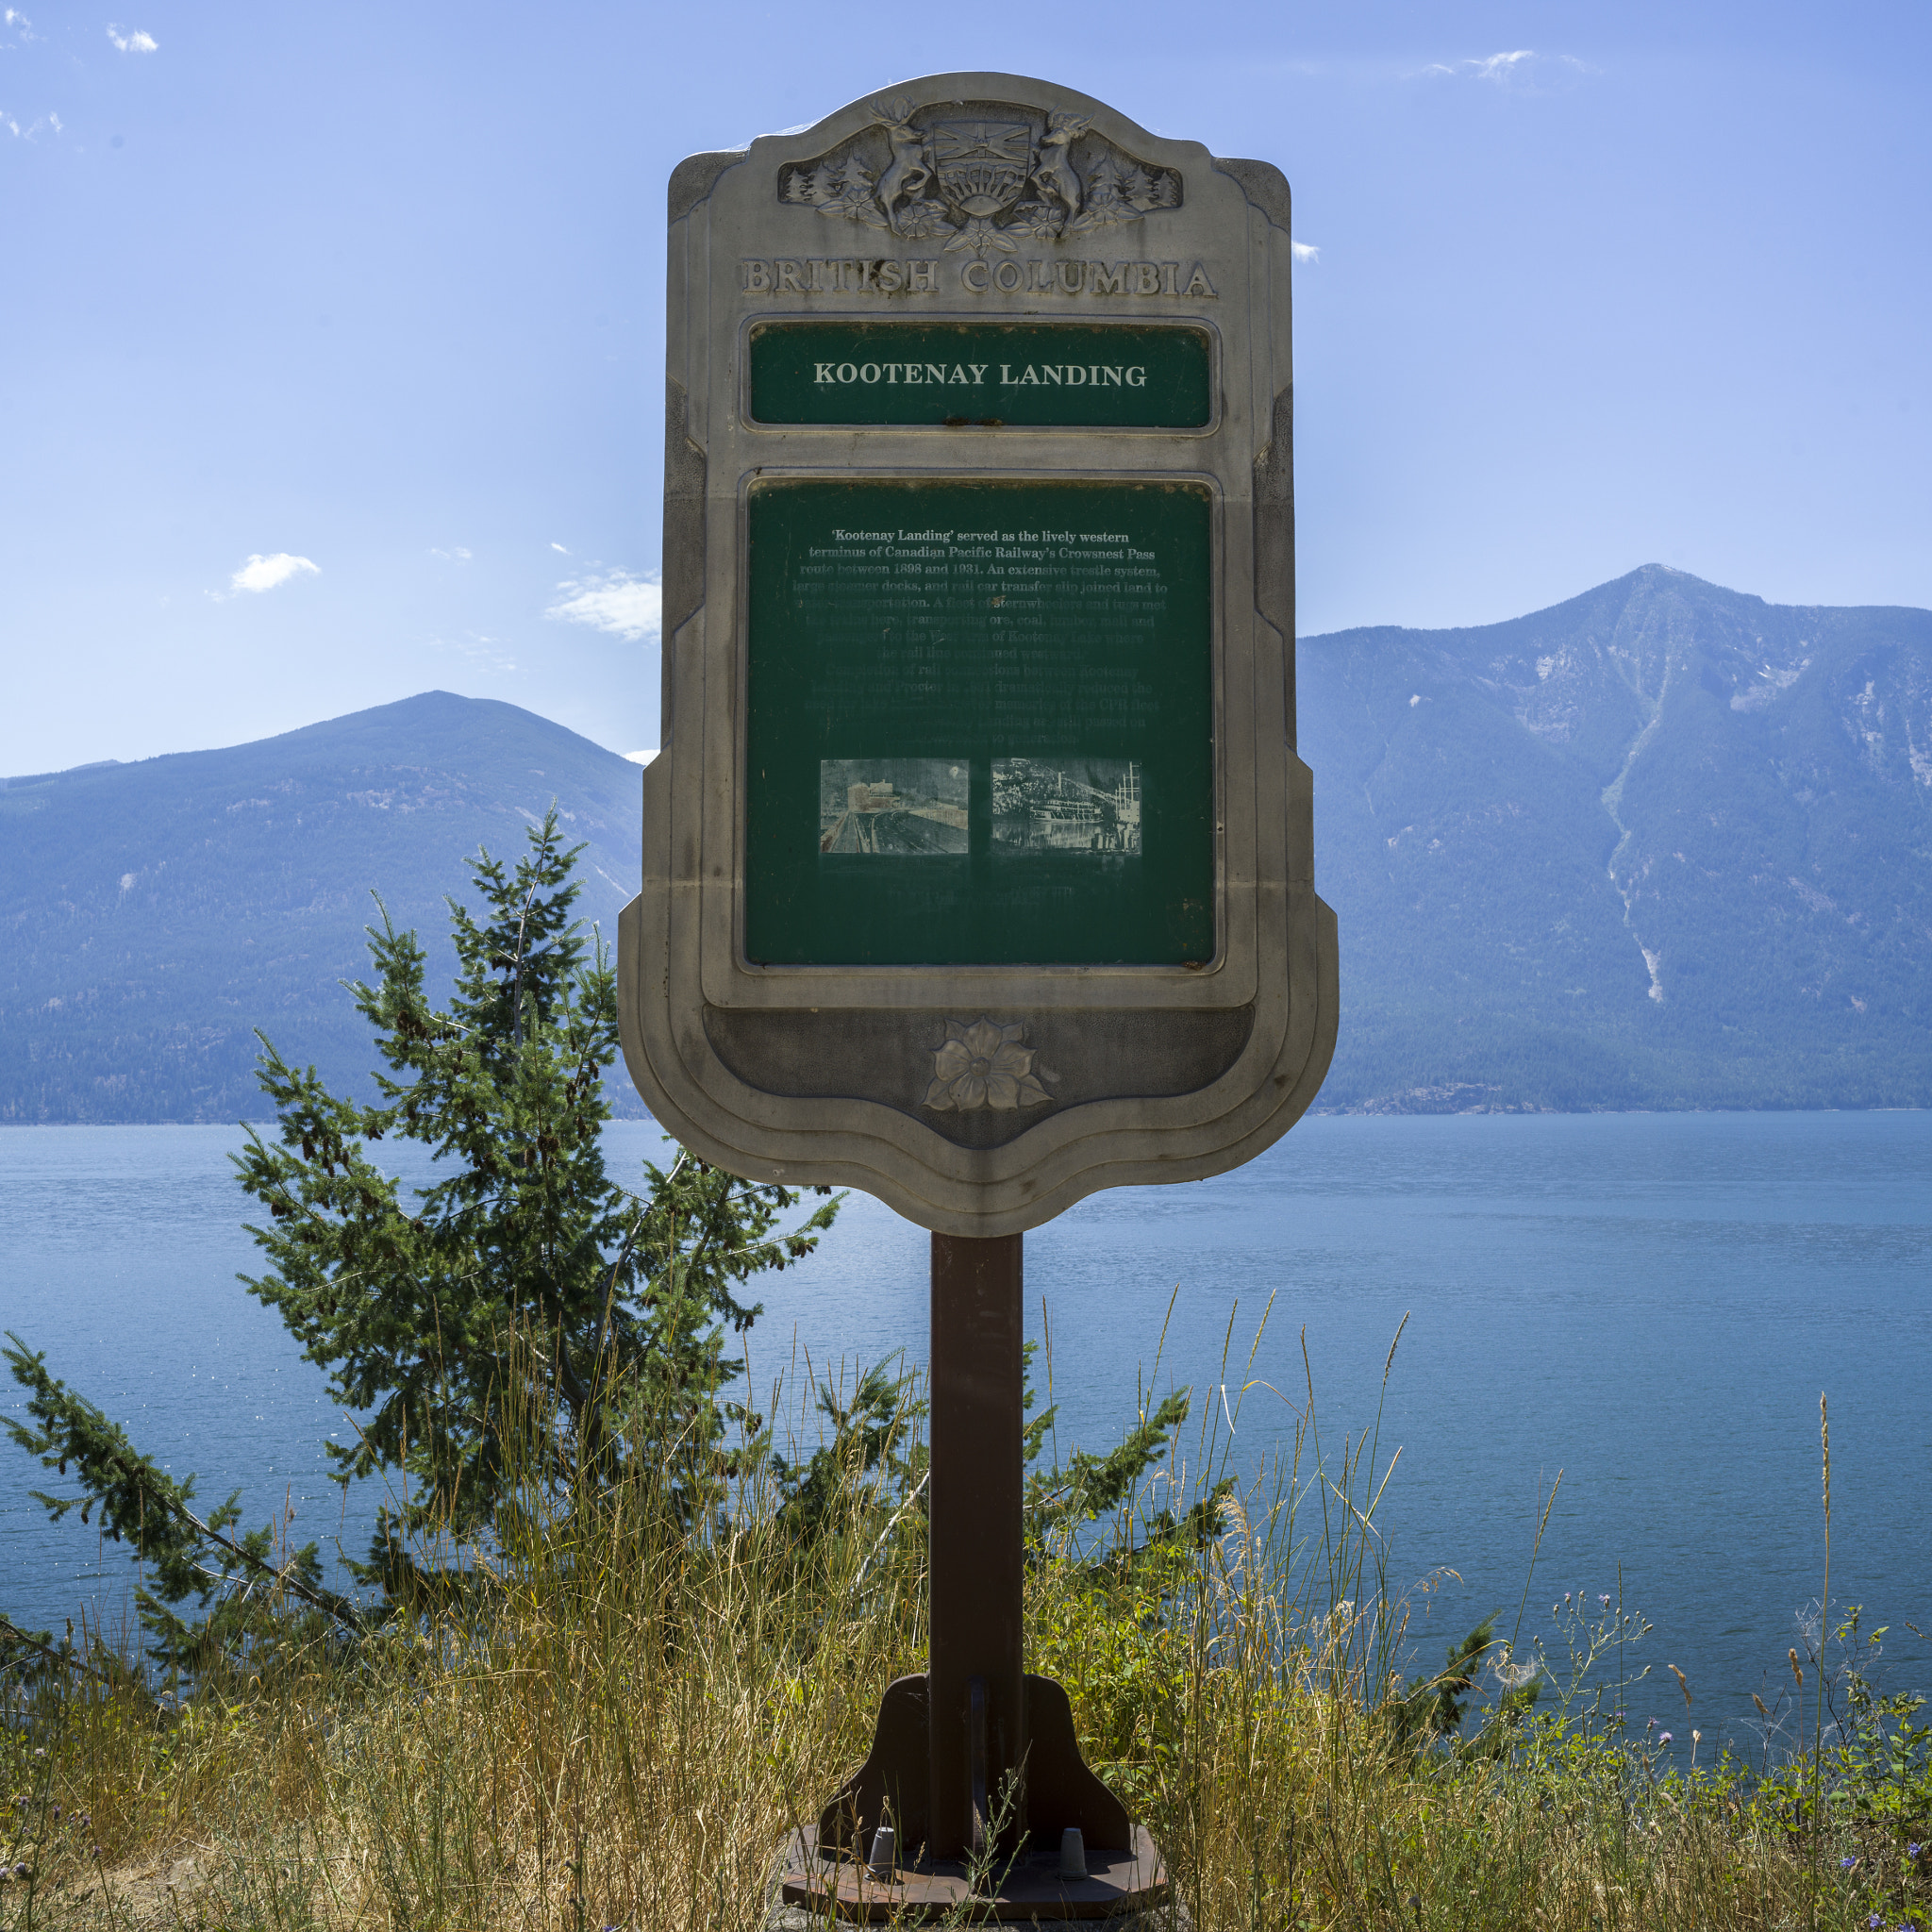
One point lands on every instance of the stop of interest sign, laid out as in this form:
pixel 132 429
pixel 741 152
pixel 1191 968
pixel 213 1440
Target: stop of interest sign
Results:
pixel 978 861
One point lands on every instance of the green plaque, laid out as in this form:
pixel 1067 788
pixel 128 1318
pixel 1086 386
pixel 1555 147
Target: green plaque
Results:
pixel 1045 374
pixel 979 724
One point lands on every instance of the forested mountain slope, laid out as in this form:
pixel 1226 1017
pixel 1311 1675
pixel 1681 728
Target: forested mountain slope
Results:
pixel 155 914
pixel 1662 845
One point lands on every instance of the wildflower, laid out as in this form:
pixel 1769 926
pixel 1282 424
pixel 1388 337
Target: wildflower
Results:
pixel 22 1871
pixel 1846 1864
pixel 1663 1736
pixel 1912 1851
pixel 1605 1599
pixel 983 1065
pixel 1876 1922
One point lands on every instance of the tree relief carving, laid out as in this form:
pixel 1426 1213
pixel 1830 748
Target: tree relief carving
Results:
pixel 982 182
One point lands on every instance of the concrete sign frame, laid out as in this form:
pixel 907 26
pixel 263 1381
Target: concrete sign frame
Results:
pixel 979 1093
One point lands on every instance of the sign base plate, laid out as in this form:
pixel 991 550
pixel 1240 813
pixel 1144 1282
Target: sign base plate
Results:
pixel 1120 1886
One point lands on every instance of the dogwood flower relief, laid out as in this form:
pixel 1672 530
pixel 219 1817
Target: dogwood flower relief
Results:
pixel 982 1063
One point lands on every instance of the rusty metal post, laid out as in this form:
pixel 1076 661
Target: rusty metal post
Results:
pixel 977 1722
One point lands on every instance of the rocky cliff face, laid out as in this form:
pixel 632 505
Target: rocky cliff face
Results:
pixel 1664 844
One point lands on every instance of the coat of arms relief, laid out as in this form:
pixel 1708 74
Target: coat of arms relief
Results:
pixel 980 182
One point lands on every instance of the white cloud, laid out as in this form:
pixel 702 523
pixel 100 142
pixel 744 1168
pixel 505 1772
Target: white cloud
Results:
pixel 265 573
pixel 1521 69
pixel 32 129
pixel 455 554
pixel 560 549
pixel 629 607
pixel 1499 67
pixel 1305 252
pixel 21 24
pixel 133 41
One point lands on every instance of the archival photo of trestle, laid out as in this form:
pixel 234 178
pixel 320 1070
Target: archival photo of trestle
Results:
pixel 903 807
pixel 1066 805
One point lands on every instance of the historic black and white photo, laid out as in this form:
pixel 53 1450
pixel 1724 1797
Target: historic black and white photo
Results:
pixel 903 807
pixel 1066 805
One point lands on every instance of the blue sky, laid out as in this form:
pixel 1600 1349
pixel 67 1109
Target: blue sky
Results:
pixel 333 340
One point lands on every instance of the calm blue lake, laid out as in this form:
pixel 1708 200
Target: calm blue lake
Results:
pixel 1650 1305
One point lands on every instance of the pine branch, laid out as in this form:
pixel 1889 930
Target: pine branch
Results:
pixel 65 1659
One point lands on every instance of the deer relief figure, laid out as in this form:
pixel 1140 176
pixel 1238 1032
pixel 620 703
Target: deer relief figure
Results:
pixel 907 174
pixel 1054 173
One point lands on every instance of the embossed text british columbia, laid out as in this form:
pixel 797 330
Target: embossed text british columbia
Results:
pixel 885 276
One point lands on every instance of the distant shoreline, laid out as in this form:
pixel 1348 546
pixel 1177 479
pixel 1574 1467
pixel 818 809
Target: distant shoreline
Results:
pixel 1395 1106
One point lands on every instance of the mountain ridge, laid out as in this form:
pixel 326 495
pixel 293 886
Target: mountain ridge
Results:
pixel 1683 787
pixel 157 912
pixel 1663 844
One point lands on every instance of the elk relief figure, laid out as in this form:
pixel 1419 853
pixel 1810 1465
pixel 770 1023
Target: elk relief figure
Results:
pixel 1052 173
pixel 907 173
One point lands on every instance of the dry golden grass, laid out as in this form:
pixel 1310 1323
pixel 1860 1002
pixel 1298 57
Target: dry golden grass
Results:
pixel 617 1727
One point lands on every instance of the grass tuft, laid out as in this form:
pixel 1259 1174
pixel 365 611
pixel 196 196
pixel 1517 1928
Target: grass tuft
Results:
pixel 605 1721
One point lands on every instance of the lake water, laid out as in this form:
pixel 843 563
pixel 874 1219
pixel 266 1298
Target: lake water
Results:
pixel 1650 1304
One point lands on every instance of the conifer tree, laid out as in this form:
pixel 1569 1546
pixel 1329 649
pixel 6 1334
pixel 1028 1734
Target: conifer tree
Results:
pixel 523 1247
pixel 520 1317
